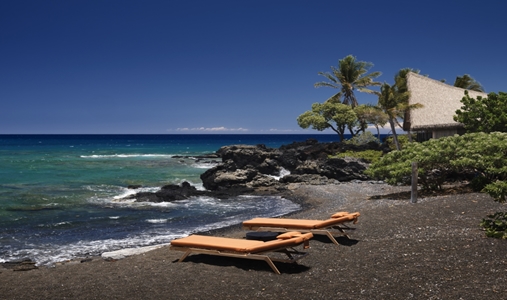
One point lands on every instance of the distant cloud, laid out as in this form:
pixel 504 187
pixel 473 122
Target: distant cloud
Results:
pixel 209 129
pixel 385 130
pixel 283 130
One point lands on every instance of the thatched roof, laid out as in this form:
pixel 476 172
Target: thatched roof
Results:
pixel 440 102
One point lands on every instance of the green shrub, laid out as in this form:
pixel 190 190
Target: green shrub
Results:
pixel 363 139
pixel 481 153
pixel 402 139
pixel 368 155
pixel 497 190
pixel 436 158
pixel 496 225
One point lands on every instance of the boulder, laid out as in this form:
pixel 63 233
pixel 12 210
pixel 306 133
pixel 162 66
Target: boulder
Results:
pixel 341 169
pixel 168 193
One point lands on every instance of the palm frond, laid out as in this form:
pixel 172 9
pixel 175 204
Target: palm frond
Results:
pixel 467 82
pixel 368 91
pixel 326 84
pixel 335 98
pixel 349 75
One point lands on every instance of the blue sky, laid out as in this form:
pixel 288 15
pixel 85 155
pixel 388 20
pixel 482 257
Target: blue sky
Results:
pixel 156 67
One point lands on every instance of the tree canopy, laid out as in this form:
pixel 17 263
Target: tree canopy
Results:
pixel 370 114
pixel 487 114
pixel 333 115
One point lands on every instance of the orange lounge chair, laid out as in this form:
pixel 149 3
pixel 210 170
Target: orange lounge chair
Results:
pixel 249 249
pixel 324 227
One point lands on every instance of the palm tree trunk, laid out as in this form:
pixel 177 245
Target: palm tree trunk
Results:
pixel 395 136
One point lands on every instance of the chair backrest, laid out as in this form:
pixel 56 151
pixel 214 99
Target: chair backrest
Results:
pixel 282 243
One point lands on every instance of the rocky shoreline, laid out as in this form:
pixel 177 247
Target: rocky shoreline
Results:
pixel 260 170
pixel 432 249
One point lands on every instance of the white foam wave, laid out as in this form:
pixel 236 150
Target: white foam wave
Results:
pixel 156 221
pixel 205 165
pixel 51 254
pixel 55 224
pixel 62 223
pixel 126 155
pixel 129 192
pixel 283 172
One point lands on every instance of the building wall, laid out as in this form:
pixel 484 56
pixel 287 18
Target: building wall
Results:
pixel 438 133
pixel 444 132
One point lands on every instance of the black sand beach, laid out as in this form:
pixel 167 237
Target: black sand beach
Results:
pixel 432 249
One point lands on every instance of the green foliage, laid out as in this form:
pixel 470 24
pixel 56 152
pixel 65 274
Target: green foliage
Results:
pixel 467 82
pixel 482 153
pixel 497 190
pixel 333 115
pixel 363 139
pixel 370 114
pixel 393 100
pixel 367 155
pixel 475 152
pixel 496 225
pixel 402 139
pixel 349 76
pixel 483 114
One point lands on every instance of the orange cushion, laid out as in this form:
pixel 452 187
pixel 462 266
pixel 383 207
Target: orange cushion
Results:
pixel 288 235
pixel 284 223
pixel 238 245
pixel 299 223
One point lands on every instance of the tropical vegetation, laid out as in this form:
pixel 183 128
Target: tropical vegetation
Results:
pixel 350 75
pixel 393 101
pixel 480 155
pixel 487 114
pixel 370 114
pixel 468 83
pixel 333 115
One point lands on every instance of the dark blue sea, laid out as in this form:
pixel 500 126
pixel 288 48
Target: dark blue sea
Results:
pixel 61 195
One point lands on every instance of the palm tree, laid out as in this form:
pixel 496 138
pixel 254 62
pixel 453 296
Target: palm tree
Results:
pixel 393 100
pixel 387 102
pixel 349 76
pixel 468 83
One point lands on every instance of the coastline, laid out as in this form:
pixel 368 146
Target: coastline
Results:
pixel 430 249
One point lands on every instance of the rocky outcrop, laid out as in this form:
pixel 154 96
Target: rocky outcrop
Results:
pixel 341 169
pixel 247 169
pixel 174 192
pixel 258 166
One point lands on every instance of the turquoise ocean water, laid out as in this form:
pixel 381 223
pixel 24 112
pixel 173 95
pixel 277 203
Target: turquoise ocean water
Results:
pixel 60 195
